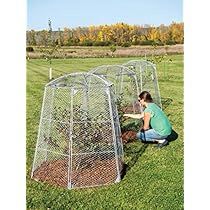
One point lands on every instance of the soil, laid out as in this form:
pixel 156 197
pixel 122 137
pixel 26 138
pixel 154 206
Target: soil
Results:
pixel 94 172
pixel 128 136
pixel 97 173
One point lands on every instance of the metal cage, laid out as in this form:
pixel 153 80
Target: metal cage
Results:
pixel 147 78
pixel 125 85
pixel 79 140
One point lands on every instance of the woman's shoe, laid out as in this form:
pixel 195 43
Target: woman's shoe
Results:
pixel 160 145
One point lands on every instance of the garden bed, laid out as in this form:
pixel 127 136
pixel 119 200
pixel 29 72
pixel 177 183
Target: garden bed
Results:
pixel 98 172
pixel 128 136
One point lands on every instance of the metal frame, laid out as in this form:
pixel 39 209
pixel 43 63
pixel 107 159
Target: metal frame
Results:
pixel 68 142
pixel 118 74
pixel 113 134
pixel 40 122
pixel 141 68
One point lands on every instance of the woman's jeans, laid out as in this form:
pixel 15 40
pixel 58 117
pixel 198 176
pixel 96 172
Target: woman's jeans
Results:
pixel 150 135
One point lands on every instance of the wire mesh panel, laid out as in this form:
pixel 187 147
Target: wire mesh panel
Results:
pixel 147 78
pixel 79 143
pixel 125 84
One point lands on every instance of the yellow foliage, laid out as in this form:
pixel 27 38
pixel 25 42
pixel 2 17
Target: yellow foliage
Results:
pixel 122 32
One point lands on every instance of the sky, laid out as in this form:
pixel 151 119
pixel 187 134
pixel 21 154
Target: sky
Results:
pixel 69 13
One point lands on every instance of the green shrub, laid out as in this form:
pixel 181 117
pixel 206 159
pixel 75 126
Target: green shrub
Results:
pixel 159 43
pixel 151 42
pixel 126 44
pixel 29 49
pixel 87 43
pixel 147 42
pixel 102 43
pixel 137 42
pixel 113 48
pixel 72 43
pixel 170 42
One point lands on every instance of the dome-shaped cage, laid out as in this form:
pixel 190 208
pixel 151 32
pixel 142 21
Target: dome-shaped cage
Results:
pixel 147 78
pixel 79 140
pixel 125 85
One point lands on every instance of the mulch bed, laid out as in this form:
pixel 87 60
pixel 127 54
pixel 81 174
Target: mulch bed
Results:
pixel 128 136
pixel 53 172
pixel 56 173
pixel 96 172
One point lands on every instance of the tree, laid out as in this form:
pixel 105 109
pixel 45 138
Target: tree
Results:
pixel 100 36
pixel 60 37
pixel 50 48
pixel 43 37
pixel 31 38
pixel 116 34
pixel 66 36
pixel 177 32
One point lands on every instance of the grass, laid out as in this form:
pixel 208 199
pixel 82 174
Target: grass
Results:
pixel 154 179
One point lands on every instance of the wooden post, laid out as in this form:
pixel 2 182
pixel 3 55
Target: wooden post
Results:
pixel 50 73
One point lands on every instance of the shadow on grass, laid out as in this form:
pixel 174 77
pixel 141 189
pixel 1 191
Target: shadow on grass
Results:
pixel 136 154
pixel 129 151
pixel 173 136
pixel 166 102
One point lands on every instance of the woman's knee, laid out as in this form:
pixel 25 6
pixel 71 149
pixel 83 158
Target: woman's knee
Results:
pixel 139 135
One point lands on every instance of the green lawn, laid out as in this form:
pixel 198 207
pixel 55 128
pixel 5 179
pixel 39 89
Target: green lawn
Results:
pixel 154 179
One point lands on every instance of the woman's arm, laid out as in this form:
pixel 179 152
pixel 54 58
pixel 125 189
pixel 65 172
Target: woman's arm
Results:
pixel 146 120
pixel 134 116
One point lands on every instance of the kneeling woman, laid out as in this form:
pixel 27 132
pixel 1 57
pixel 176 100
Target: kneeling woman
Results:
pixel 156 126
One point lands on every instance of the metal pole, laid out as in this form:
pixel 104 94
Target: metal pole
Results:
pixel 137 85
pixel 141 84
pixel 157 86
pixel 137 88
pixel 121 80
pixel 50 120
pixel 40 122
pixel 113 134
pixel 70 141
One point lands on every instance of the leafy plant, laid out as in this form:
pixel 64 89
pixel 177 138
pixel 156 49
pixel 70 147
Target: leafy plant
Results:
pixel 50 49
pixel 126 44
pixel 156 59
pixel 113 49
pixel 126 124
pixel 89 135
pixel 49 52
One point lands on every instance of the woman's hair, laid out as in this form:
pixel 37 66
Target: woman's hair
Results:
pixel 146 96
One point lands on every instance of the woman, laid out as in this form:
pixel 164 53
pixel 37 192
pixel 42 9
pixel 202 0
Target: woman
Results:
pixel 156 126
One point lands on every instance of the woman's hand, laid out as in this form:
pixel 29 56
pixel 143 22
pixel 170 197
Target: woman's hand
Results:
pixel 126 115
